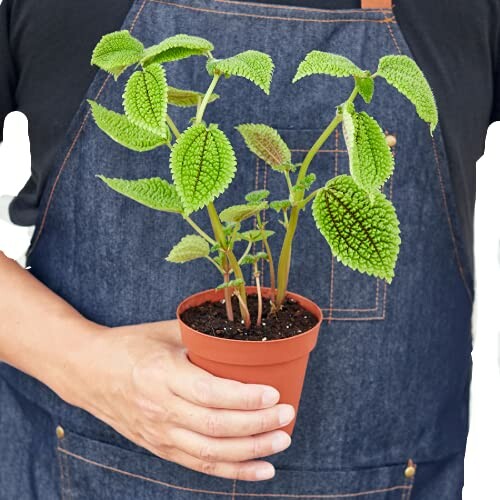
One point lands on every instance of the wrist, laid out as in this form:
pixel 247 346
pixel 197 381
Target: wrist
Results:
pixel 74 360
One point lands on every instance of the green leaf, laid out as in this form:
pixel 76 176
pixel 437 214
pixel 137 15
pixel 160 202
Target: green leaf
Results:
pixel 145 99
pixel 154 193
pixel 280 205
pixel 176 47
pixel 203 165
pixel 305 184
pixel 253 65
pixel 252 259
pixel 191 247
pixel 257 196
pixel 404 74
pixel 266 143
pixel 187 98
pixel 324 63
pixel 248 259
pixel 116 51
pixel 123 131
pixel 363 233
pixel 231 284
pixel 371 160
pixel 239 213
pixel 366 88
pixel 255 235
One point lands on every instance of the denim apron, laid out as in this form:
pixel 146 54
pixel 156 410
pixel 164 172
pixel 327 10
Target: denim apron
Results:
pixel 388 383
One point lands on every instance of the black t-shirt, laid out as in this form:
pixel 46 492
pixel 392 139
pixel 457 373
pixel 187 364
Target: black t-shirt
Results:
pixel 45 48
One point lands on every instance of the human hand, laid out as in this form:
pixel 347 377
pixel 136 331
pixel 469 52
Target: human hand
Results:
pixel 153 395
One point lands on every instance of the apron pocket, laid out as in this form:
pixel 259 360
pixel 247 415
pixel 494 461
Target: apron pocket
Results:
pixel 101 471
pixel 342 294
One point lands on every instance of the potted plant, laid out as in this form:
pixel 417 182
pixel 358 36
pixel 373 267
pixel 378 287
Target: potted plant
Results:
pixel 257 334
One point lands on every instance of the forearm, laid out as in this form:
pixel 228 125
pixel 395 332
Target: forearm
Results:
pixel 40 333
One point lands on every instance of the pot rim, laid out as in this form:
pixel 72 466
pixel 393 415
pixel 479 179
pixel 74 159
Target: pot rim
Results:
pixel 303 301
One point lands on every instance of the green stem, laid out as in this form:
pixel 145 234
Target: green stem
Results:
pixel 304 202
pixel 215 264
pixel 288 181
pixel 206 98
pixel 272 270
pixel 246 252
pixel 172 126
pixel 233 261
pixel 286 250
pixel 198 229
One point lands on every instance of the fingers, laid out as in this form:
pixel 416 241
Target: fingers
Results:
pixel 244 471
pixel 201 388
pixel 230 423
pixel 208 449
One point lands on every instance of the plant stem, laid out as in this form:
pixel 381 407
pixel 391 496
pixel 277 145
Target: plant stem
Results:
pixel 304 203
pixel 246 252
pixel 288 181
pixel 243 305
pixel 172 126
pixel 286 250
pixel 206 98
pixel 256 273
pixel 227 298
pixel 198 229
pixel 233 262
pixel 215 264
pixel 272 270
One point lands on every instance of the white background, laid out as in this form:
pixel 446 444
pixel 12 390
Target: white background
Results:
pixel 482 461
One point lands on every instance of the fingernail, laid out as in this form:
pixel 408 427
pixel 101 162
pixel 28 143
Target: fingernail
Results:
pixel 270 397
pixel 264 472
pixel 286 415
pixel 281 442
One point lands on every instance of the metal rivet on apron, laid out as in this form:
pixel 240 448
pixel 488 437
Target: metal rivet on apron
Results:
pixel 59 432
pixel 410 470
pixel 391 140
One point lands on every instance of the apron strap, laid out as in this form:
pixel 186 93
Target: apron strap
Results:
pixel 376 4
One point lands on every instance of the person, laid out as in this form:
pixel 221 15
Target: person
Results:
pixel 97 396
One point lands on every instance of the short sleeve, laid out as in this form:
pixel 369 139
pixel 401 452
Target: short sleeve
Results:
pixel 7 68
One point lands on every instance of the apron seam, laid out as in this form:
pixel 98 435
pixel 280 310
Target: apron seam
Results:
pixel 443 190
pixel 404 487
pixel 278 18
pixel 306 9
pixel 448 217
pixel 72 147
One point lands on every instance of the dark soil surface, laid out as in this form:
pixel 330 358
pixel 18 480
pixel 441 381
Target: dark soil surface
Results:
pixel 210 318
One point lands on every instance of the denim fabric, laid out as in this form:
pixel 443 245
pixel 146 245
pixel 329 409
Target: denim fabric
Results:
pixel 389 379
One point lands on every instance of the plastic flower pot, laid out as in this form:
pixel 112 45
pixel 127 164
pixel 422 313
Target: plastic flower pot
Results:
pixel 281 364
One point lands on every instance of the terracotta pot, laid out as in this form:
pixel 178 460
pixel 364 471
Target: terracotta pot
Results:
pixel 279 363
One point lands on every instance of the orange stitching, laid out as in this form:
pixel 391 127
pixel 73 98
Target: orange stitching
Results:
pixel 139 12
pixel 450 224
pixel 407 494
pixel 443 193
pixel 268 6
pixel 278 18
pixel 229 493
pixel 361 318
pixel 234 490
pixel 391 33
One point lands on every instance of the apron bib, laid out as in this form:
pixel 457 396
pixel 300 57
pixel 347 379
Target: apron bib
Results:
pixel 389 379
